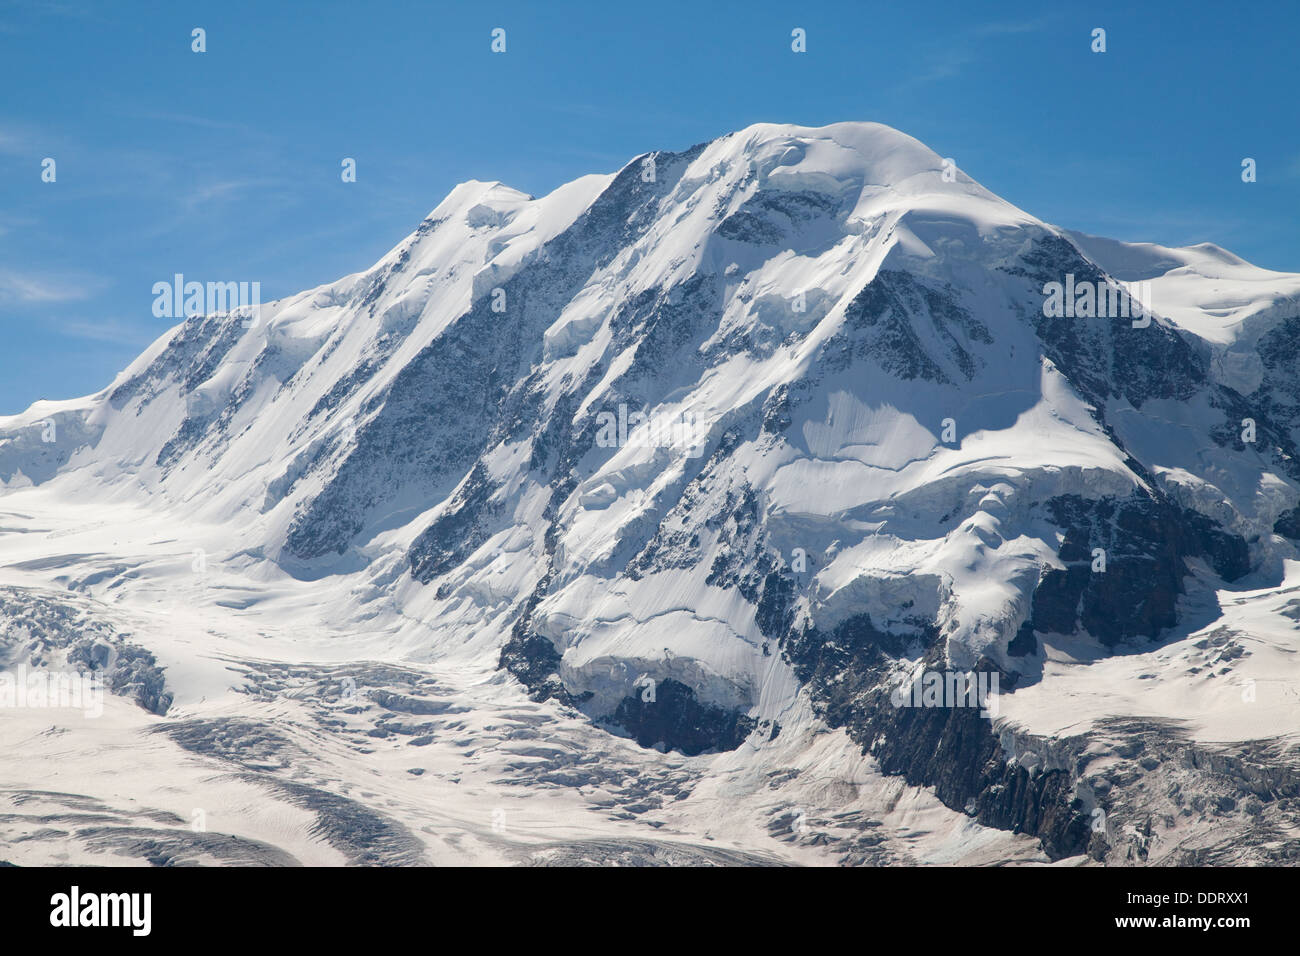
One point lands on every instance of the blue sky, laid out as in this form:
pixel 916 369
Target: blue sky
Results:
pixel 225 165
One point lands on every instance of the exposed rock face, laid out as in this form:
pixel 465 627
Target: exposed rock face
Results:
pixel 682 723
pixel 1145 544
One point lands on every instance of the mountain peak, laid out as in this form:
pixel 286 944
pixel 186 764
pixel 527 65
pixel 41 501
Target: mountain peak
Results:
pixel 746 433
pixel 475 192
pixel 879 168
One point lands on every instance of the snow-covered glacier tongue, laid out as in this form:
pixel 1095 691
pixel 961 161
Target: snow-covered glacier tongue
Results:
pixel 791 498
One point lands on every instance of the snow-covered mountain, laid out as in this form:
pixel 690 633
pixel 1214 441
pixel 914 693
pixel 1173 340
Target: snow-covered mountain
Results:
pixel 643 499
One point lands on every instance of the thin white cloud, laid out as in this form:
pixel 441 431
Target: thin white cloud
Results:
pixel 13 143
pixel 59 8
pixel 109 330
pixel 1013 27
pixel 949 57
pixel 192 119
pixel 229 189
pixel 32 289
pixel 9 223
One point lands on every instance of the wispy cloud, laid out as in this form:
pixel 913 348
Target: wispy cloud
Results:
pixel 57 8
pixel 108 330
pixel 33 289
pixel 1013 27
pixel 221 191
pixel 190 119
pixel 950 56
pixel 14 142
pixel 9 223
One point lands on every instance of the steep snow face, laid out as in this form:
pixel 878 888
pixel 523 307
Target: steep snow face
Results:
pixel 724 442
